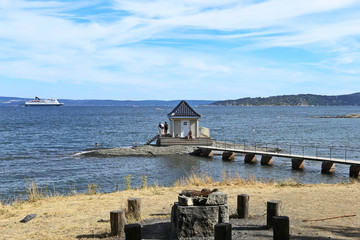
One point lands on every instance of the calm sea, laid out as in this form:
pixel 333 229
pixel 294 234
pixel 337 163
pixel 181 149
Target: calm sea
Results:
pixel 43 144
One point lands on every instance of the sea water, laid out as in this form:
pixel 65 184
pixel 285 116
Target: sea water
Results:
pixel 44 144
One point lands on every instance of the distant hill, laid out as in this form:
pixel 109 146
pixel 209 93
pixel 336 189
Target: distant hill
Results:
pixel 14 101
pixel 296 100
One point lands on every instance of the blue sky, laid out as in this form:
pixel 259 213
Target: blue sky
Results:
pixel 190 49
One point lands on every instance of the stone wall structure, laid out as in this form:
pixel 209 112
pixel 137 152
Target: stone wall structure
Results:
pixel 196 216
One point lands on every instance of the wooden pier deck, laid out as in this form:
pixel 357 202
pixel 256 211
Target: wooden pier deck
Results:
pixel 283 155
pixel 327 167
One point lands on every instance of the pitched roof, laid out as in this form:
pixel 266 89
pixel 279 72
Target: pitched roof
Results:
pixel 183 109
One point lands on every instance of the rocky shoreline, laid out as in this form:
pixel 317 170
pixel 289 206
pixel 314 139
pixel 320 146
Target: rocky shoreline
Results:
pixel 154 151
pixel 353 115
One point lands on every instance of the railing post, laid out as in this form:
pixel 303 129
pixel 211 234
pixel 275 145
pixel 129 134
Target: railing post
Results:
pixel 290 149
pixel 316 152
pixel 345 154
pixel 303 148
pixel 330 152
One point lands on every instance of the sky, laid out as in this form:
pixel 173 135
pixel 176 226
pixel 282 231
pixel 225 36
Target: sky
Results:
pixel 184 49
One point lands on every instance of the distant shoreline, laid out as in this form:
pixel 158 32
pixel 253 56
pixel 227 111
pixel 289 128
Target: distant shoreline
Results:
pixel 353 115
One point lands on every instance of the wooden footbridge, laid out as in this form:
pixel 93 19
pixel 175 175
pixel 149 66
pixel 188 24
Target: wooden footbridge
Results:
pixel 267 154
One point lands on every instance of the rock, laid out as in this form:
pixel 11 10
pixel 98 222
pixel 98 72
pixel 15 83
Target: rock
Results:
pixel 28 218
pixel 185 201
pixel 217 198
pixel 196 221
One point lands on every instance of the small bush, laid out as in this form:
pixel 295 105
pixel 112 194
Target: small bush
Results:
pixel 33 193
pixel 144 181
pixel 93 189
pixel 128 182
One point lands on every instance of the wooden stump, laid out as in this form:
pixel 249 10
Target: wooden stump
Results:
pixel 281 228
pixel 354 171
pixel 223 231
pixel 327 167
pixel 250 158
pixel 266 160
pixel 207 153
pixel 243 205
pixel 134 208
pixel 273 209
pixel 298 163
pixel 117 222
pixel 133 231
pixel 228 156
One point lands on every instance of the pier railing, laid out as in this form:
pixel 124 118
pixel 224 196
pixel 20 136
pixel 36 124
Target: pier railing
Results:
pixel 330 152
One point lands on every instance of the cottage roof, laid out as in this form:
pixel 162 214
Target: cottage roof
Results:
pixel 183 109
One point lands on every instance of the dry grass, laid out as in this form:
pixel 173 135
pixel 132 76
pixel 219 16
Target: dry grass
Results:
pixel 69 217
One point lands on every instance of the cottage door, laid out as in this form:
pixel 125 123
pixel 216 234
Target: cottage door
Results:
pixel 185 127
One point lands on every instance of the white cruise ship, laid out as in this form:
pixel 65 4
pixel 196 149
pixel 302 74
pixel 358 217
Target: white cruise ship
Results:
pixel 43 102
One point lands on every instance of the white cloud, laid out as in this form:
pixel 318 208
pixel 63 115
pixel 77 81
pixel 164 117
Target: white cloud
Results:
pixel 147 44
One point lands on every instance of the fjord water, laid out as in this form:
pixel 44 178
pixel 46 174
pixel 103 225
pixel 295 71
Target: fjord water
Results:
pixel 44 144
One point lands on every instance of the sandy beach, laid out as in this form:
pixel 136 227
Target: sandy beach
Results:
pixel 84 216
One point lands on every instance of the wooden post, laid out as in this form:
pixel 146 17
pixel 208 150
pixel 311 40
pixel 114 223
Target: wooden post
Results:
pixel 133 231
pixel 281 228
pixel 243 205
pixel 297 163
pixel 134 208
pixel 250 158
pixel 266 160
pixel 223 231
pixel 117 222
pixel 228 156
pixel 354 171
pixel 207 153
pixel 273 209
pixel 327 167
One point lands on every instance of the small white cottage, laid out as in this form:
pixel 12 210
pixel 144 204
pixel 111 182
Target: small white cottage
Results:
pixel 184 128
pixel 184 119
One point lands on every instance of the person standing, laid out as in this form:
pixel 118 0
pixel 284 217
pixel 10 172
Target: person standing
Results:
pixel 161 128
pixel 166 127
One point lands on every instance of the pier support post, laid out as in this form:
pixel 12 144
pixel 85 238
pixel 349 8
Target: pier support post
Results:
pixel 228 156
pixel 134 208
pixel 117 222
pixel 327 167
pixel 273 209
pixel 250 158
pixel 266 160
pixel 243 206
pixel 281 228
pixel 207 153
pixel 133 231
pixel 223 231
pixel 298 163
pixel 354 171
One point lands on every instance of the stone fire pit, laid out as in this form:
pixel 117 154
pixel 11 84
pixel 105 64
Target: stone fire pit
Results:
pixel 197 212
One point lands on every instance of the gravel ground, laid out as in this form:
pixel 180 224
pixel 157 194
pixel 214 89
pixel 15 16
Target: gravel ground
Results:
pixel 249 229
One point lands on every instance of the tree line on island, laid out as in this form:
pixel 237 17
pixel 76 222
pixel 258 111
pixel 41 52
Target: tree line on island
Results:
pixel 284 100
pixel 295 100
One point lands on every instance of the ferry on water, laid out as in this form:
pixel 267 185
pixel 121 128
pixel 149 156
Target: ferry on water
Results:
pixel 43 102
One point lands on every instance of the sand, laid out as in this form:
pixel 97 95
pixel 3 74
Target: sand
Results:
pixel 76 217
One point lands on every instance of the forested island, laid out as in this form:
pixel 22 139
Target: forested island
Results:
pixel 295 100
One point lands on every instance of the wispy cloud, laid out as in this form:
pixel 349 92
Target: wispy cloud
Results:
pixel 228 48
